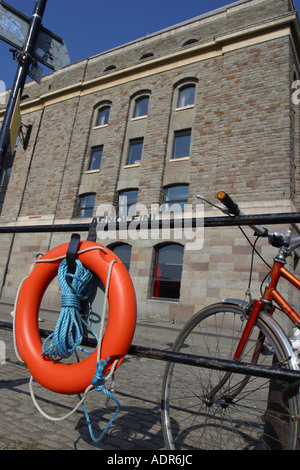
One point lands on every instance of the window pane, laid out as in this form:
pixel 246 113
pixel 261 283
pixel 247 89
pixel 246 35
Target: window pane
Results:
pixel 103 116
pixel 124 253
pixel 96 158
pixel 182 142
pixel 141 107
pixel 167 272
pixel 135 151
pixel 86 205
pixel 176 195
pixel 127 202
pixel 186 96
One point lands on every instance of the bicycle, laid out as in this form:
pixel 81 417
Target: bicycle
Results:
pixel 204 408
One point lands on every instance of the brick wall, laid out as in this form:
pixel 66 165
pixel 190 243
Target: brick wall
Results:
pixel 244 141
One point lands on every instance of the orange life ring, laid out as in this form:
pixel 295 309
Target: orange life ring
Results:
pixel 76 377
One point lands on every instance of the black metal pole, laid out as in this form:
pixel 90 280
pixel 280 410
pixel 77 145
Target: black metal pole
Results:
pixel 266 219
pixel 287 375
pixel 21 75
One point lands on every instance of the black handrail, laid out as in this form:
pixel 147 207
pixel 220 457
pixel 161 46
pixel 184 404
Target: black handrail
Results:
pixel 198 361
pixel 264 219
pixel 152 353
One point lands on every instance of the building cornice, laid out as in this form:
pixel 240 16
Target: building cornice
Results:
pixel 286 25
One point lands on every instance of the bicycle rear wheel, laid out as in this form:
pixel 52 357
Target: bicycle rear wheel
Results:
pixel 210 409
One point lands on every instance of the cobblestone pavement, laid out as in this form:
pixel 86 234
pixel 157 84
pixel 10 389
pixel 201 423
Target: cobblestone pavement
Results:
pixel 136 427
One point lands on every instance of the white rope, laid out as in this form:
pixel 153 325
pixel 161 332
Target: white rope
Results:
pixel 101 333
pixel 78 252
pixel 53 418
pixel 14 320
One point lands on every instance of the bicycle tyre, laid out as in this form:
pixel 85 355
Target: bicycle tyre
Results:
pixel 191 421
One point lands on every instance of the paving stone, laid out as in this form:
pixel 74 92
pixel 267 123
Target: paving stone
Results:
pixel 138 388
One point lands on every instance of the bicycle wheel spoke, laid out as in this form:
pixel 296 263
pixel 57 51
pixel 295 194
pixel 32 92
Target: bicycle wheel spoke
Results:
pixel 213 409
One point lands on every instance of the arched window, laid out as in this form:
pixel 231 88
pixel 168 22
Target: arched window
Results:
pixel 167 272
pixel 122 251
pixel 127 202
pixel 189 41
pixel 103 116
pixel 175 197
pixel 141 106
pixel 86 205
pixel 186 96
pixel 109 68
pixel 147 56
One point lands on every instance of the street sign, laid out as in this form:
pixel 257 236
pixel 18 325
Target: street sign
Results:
pixel 13 26
pixel 33 43
pixel 35 72
pixel 49 49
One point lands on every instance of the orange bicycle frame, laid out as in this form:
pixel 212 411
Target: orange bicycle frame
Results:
pixel 270 295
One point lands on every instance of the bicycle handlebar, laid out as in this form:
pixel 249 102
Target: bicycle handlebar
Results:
pixel 232 207
pixel 276 239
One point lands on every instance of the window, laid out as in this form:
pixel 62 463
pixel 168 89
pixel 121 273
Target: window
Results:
pixel 135 151
pixel 141 107
pixel 86 205
pixel 96 157
pixel 189 41
pixel 127 202
pixel 177 195
pixel 182 143
pixel 123 251
pixel 110 67
pixel 186 96
pixel 167 271
pixel 103 116
pixel 147 55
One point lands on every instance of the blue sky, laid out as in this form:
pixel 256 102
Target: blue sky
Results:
pixel 92 26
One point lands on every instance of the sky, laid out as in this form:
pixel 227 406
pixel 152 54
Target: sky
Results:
pixel 90 27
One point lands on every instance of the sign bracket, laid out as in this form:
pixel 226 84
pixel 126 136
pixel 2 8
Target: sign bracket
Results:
pixel 31 43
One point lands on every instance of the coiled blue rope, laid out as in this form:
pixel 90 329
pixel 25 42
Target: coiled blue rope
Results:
pixel 68 333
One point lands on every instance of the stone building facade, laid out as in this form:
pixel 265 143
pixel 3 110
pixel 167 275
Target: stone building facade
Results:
pixel 203 106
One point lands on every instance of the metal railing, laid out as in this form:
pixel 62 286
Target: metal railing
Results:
pixel 265 219
pixel 292 377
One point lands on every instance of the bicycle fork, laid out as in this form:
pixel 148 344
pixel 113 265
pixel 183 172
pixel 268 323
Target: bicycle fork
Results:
pixel 257 307
pixel 226 400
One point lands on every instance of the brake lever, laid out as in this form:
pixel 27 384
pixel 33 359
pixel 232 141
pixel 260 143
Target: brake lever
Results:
pixel 221 208
pixel 293 248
